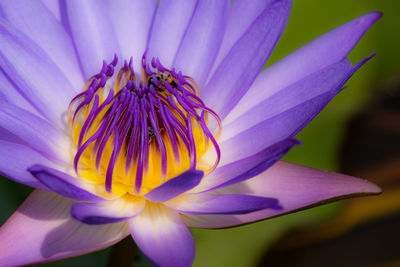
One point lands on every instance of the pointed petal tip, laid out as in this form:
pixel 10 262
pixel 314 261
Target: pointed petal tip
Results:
pixel 355 186
pixel 95 220
pixel 34 168
pixel 368 58
pixel 367 20
pixel 374 15
pixel 63 184
pixel 106 212
pixel 296 187
pixel 370 188
pixel 175 186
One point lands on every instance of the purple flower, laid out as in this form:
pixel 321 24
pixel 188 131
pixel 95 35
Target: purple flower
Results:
pixel 146 118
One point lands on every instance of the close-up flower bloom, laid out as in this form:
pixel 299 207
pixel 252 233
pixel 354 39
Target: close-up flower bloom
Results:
pixel 147 118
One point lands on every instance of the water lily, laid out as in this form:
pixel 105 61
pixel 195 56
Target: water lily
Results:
pixel 145 118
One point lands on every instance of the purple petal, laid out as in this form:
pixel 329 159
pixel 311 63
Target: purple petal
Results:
pixel 53 7
pixel 243 63
pixel 15 159
pixel 162 236
pixel 316 84
pixel 241 15
pixel 63 183
pixel 164 42
pixel 10 93
pixel 36 77
pixel 9 137
pixel 286 113
pixel 33 130
pixel 105 212
pixel 42 229
pixel 202 38
pixel 272 130
pixel 93 34
pixel 295 186
pixel 47 33
pixel 176 186
pixel 206 203
pixel 132 20
pixel 326 50
pixel 244 169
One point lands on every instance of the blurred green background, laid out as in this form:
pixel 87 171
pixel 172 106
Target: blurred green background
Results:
pixel 323 138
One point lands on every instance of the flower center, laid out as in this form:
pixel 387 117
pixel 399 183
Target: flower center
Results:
pixel 133 134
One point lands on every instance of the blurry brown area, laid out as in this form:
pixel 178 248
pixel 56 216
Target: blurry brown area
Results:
pixel 366 232
pixel 123 254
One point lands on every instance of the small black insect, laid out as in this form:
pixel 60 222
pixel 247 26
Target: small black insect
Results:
pixel 150 133
pixel 151 82
pixel 172 82
pixel 162 78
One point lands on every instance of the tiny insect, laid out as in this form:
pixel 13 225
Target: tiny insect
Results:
pixel 162 78
pixel 151 82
